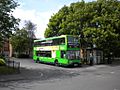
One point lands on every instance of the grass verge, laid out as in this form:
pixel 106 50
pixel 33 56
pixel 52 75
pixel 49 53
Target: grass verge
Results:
pixel 4 70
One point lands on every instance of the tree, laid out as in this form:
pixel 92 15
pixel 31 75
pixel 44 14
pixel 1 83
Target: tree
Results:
pixel 20 41
pixel 102 27
pixel 8 23
pixel 98 23
pixel 56 23
pixel 30 28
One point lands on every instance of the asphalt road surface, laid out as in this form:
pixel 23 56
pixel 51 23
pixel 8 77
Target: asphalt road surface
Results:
pixel 36 76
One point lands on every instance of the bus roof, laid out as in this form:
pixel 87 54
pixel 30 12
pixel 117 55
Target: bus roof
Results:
pixel 53 38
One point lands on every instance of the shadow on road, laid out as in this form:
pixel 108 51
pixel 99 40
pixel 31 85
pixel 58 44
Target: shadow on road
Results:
pixel 115 63
pixel 31 75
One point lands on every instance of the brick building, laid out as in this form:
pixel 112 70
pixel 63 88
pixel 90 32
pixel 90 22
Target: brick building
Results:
pixel 5 49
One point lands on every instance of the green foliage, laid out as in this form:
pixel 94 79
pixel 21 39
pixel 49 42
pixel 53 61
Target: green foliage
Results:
pixel 30 28
pixel 5 70
pixel 20 41
pixel 2 62
pixel 98 22
pixel 2 56
pixel 7 21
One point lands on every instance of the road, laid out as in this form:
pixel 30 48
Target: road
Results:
pixel 35 76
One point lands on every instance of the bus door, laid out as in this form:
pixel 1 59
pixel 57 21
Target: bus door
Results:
pixel 53 54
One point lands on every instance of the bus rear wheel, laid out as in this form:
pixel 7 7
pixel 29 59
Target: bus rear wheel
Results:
pixel 56 63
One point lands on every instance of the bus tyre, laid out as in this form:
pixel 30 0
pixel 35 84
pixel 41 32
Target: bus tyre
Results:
pixel 56 63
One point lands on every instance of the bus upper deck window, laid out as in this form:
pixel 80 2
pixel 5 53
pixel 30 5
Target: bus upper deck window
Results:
pixel 62 41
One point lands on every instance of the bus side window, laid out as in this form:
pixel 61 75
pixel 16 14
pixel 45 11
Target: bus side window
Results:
pixel 48 53
pixel 62 41
pixel 55 42
pixel 37 53
pixel 36 44
pixel 63 54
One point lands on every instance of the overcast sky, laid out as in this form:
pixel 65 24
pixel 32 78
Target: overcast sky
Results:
pixel 39 12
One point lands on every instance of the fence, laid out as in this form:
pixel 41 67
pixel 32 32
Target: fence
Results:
pixel 13 64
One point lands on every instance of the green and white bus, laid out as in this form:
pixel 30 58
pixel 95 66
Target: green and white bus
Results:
pixel 60 50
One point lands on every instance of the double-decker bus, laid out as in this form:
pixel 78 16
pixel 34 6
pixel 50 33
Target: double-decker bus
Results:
pixel 60 50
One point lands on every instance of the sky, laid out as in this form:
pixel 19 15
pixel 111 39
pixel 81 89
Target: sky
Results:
pixel 39 12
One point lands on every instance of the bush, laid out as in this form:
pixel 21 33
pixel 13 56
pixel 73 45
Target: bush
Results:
pixel 2 62
pixel 2 56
